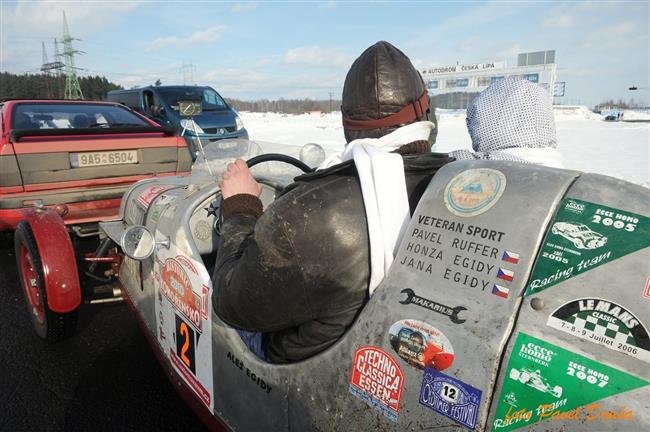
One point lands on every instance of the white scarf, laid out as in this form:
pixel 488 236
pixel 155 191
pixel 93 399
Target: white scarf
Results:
pixel 383 187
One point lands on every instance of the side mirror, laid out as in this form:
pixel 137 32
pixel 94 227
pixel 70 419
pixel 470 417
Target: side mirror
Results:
pixel 312 154
pixel 138 242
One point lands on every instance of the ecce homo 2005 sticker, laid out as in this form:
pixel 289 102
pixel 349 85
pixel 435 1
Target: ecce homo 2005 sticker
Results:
pixel 474 191
pixel 604 323
pixel 584 236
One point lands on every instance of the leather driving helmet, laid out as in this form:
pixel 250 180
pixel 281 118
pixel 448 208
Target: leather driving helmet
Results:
pixel 382 92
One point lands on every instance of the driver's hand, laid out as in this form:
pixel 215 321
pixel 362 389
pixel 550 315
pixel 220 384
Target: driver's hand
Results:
pixel 238 180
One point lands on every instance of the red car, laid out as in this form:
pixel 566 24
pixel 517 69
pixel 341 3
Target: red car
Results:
pixel 64 165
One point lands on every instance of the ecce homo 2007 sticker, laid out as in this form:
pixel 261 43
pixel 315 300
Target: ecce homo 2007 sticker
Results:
pixel 543 381
pixel 604 323
pixel 474 191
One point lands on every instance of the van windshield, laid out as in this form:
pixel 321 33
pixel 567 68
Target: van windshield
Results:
pixel 210 99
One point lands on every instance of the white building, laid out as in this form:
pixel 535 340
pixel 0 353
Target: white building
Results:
pixel 538 67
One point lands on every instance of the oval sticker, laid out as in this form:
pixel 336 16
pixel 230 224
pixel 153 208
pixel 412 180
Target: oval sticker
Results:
pixel 474 191
pixel 421 345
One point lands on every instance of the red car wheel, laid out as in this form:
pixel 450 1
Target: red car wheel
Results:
pixel 48 324
pixel 31 285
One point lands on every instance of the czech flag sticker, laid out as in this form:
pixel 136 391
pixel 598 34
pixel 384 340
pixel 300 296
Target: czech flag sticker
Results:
pixel 510 257
pixel 505 274
pixel 500 291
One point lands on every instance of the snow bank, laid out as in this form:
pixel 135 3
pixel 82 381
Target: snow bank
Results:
pixel 617 149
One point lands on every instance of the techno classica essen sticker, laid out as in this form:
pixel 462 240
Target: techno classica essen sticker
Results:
pixel 377 380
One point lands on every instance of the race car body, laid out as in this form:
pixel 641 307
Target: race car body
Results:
pixel 483 299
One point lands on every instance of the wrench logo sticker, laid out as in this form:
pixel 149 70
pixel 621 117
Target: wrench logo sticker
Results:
pixel 451 312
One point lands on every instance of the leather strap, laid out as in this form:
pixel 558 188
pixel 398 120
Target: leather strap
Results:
pixel 408 114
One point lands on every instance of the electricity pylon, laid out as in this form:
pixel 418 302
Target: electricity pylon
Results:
pixel 72 87
pixel 51 70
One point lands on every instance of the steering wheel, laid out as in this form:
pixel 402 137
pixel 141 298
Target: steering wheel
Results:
pixel 268 157
pixel 277 157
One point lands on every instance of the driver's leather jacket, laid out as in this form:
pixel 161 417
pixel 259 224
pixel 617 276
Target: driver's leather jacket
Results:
pixel 299 271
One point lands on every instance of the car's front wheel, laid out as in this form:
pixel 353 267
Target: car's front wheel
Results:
pixel 49 325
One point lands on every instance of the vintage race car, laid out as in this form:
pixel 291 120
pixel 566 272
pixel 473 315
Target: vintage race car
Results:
pixel 535 379
pixel 64 165
pixel 478 290
pixel 580 235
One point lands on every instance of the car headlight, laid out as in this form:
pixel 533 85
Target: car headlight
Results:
pixel 239 123
pixel 190 125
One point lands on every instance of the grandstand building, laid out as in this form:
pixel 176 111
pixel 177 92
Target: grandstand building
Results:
pixel 455 86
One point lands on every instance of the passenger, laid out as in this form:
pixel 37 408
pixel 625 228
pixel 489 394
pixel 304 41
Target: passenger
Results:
pixel 512 120
pixel 301 271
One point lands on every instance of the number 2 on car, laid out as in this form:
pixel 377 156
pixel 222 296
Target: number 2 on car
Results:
pixel 185 344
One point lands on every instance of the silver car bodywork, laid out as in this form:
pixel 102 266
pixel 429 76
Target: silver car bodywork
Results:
pixel 334 390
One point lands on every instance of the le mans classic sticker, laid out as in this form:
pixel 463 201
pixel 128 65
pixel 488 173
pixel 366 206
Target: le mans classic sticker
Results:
pixel 450 397
pixel 421 345
pixel 543 381
pixel 583 236
pixel 605 323
pixel 377 380
pixel 474 191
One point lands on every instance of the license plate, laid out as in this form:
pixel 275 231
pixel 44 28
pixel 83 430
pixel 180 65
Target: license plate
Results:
pixel 117 157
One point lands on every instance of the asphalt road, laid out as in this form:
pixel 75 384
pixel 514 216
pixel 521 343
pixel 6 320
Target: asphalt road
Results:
pixel 103 379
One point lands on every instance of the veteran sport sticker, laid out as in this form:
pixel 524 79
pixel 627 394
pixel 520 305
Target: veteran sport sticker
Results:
pixel 421 345
pixel 583 236
pixel 474 191
pixel 605 323
pixel 450 397
pixel 542 381
pixel 377 380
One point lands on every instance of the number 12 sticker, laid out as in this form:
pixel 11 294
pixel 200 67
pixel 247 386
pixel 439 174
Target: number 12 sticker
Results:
pixel 185 344
pixel 450 397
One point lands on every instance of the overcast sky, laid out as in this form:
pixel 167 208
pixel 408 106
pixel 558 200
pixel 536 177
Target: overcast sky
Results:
pixel 295 49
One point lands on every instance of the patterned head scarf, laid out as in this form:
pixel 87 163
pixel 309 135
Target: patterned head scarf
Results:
pixel 511 113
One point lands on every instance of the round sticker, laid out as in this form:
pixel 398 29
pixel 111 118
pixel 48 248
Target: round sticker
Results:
pixel 421 345
pixel 474 191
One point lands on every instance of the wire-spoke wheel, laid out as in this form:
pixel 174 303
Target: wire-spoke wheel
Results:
pixel 49 325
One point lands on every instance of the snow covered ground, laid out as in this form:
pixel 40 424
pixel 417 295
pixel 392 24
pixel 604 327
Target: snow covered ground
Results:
pixel 617 149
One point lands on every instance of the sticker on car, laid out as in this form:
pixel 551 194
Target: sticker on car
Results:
pixel 544 382
pixel 605 323
pixel 183 288
pixel 377 379
pixel 474 191
pixel 583 236
pixel 421 345
pixel 450 397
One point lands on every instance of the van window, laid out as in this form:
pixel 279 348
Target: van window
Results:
pixel 210 99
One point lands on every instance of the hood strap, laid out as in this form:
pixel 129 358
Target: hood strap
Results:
pixel 408 114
